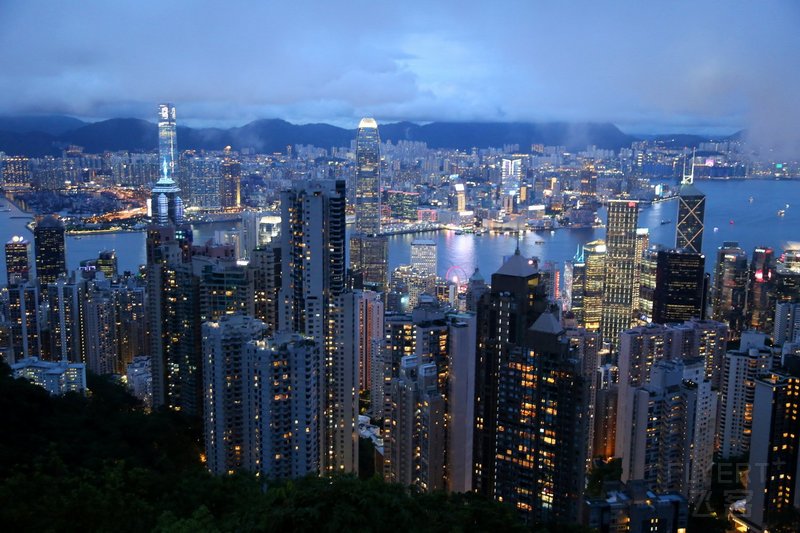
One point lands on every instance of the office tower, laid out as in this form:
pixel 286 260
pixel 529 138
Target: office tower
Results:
pixel 66 298
pixel 730 287
pixel 228 395
pixel 423 256
pixel 50 249
pixel 419 283
pixel 23 311
pixel 642 245
pixel 678 293
pixel 773 486
pixel 312 278
pixel 265 264
pixel 741 369
pixel 759 289
pixel 691 213
pixel 670 433
pixel 648 271
pixel 230 184
pixel 787 277
pixel 510 176
pixel 574 273
pixel 460 197
pixel 370 346
pixel 369 262
pixel 588 182
pixel 368 178
pixel 17 172
pixel 637 509
pixel 166 205
pixel 403 205
pixel 595 256
pixel 167 143
pixel 18 263
pixel 620 294
pixel 107 263
pixel 56 377
pixel 476 288
pixel 787 323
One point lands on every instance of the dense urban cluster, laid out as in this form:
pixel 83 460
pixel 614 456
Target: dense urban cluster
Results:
pixel 294 343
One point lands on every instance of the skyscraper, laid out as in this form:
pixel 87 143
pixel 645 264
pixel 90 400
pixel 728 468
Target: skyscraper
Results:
pixel 368 178
pixel 620 293
pixel 312 303
pixel 691 213
pixel 167 142
pixel 369 250
pixel 773 486
pixel 730 287
pixel 166 205
pixel 423 256
pixel 18 261
pixel 50 249
pixel 759 289
pixel 230 184
pixel 678 295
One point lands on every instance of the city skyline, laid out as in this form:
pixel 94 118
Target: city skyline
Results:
pixel 420 64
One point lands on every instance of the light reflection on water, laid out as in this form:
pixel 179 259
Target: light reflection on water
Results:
pixel 754 224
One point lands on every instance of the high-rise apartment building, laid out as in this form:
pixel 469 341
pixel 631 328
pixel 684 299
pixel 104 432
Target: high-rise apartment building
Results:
pixel 588 282
pixel 773 486
pixel 787 323
pixel 691 215
pixel 313 302
pixel 230 183
pixel 66 298
pixel 730 287
pixel 26 327
pixel 50 249
pixel 742 367
pixel 18 260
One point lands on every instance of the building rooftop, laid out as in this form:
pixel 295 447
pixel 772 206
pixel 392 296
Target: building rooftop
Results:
pixel 518 266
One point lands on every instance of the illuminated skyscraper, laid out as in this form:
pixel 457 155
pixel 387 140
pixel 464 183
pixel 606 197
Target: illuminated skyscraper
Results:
pixel 730 287
pixel 423 256
pixel 50 249
pixel 691 212
pixel 166 205
pixel 620 293
pixel 369 250
pixel 167 142
pixel 230 184
pixel 759 289
pixel 18 260
pixel 368 178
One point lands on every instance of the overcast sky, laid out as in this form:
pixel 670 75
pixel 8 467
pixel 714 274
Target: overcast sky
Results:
pixel 645 65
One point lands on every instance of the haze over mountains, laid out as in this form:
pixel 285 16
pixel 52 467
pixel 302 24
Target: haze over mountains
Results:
pixel 37 136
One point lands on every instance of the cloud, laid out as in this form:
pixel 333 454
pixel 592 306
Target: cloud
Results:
pixel 690 66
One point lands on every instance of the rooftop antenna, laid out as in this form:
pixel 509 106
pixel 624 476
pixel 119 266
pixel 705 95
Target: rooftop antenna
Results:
pixel 688 179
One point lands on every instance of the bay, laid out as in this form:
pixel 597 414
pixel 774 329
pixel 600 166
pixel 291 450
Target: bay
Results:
pixel 728 209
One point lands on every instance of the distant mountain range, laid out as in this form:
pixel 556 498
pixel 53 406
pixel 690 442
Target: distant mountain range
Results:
pixel 49 135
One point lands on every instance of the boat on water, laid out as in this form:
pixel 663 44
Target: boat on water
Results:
pixel 750 199
pixel 459 232
pixel 781 212
pixel 665 222
pixel 538 243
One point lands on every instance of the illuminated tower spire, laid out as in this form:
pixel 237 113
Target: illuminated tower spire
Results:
pixel 691 212
pixel 166 204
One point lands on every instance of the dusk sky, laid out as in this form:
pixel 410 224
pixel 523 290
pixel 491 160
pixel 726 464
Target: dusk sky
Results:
pixel 646 66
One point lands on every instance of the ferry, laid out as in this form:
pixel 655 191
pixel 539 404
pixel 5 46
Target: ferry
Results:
pixel 665 222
